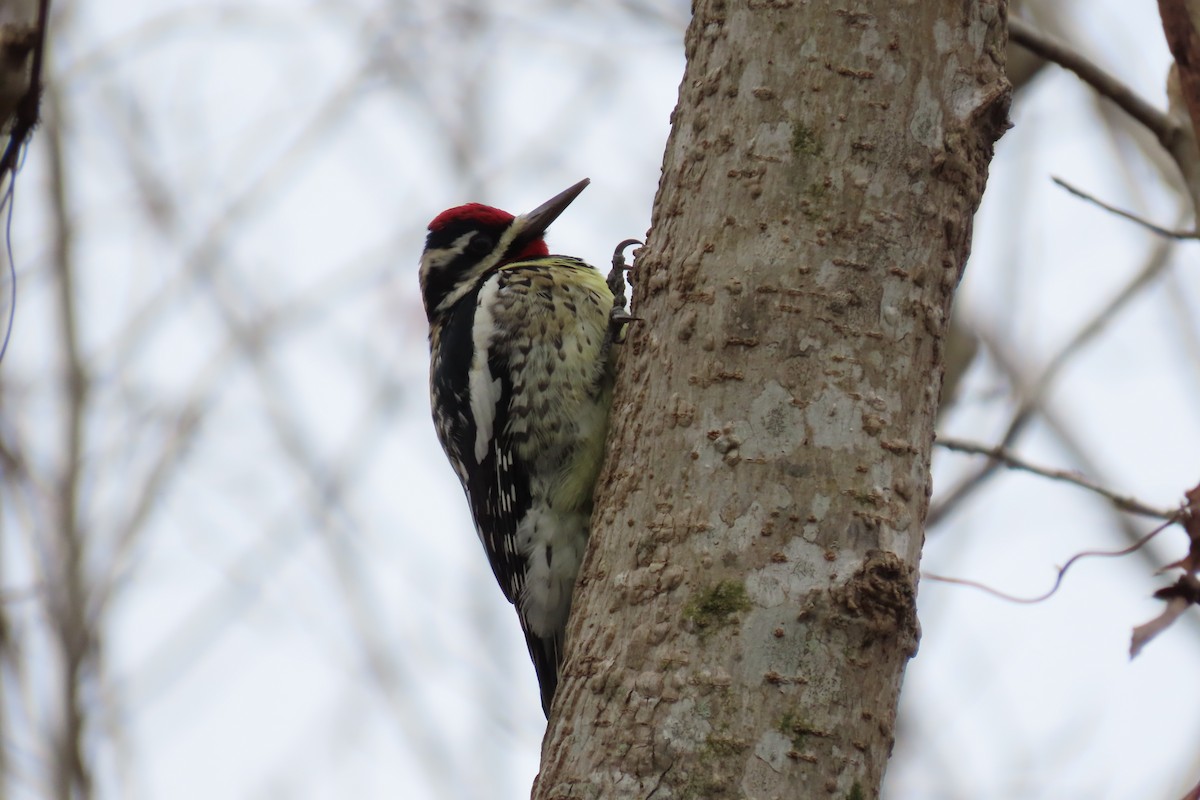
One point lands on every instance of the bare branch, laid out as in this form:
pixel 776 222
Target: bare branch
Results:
pixel 1140 543
pixel 1007 458
pixel 1067 57
pixel 1167 232
pixel 1031 398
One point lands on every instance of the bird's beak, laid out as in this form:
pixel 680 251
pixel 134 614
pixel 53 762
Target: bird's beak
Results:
pixel 539 219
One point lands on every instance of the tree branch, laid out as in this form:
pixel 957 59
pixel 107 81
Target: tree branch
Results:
pixel 1067 57
pixel 1062 571
pixel 1009 459
pixel 1031 396
pixel 1167 232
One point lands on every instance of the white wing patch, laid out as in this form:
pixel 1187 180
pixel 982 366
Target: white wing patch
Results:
pixel 483 386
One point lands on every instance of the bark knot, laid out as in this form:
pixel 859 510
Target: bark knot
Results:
pixel 882 598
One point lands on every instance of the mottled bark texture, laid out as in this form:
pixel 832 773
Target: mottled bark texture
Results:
pixel 747 606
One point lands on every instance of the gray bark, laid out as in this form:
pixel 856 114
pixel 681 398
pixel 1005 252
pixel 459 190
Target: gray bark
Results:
pixel 747 606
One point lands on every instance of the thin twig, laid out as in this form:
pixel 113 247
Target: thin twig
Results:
pixel 1031 398
pixel 1167 232
pixel 1012 461
pixel 968 485
pixel 1067 57
pixel 1140 543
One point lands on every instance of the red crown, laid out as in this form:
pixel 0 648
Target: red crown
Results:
pixel 475 212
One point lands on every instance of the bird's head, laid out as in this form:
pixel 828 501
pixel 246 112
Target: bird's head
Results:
pixel 465 243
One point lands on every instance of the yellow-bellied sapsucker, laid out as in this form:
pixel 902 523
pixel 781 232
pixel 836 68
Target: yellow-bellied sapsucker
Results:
pixel 521 382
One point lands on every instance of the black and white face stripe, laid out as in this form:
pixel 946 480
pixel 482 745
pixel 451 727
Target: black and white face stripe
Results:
pixel 468 241
pixel 457 256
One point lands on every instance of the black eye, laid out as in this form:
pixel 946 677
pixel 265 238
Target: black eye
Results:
pixel 480 245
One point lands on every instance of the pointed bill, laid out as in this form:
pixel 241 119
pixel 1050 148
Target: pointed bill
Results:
pixel 539 219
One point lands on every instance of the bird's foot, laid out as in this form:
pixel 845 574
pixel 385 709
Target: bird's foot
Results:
pixel 619 316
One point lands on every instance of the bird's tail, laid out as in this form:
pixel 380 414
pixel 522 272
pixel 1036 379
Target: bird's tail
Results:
pixel 546 653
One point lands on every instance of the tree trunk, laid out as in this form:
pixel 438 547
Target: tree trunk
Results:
pixel 747 605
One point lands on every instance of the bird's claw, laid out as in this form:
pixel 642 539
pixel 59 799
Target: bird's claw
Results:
pixel 616 276
pixel 619 317
pixel 618 259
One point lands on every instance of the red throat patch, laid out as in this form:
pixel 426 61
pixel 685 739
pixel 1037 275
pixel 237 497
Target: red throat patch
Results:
pixel 533 249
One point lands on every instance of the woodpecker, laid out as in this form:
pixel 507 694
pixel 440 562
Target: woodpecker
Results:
pixel 520 382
